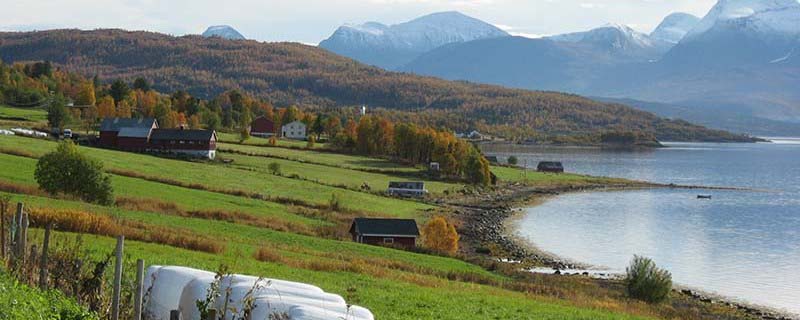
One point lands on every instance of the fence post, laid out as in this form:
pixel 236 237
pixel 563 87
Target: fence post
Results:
pixel 117 279
pixel 175 315
pixel 212 314
pixel 76 293
pixel 3 209
pixel 137 299
pixel 44 262
pixel 15 233
pixel 22 245
pixel 31 271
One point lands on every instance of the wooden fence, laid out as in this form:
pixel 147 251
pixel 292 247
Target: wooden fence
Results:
pixel 21 252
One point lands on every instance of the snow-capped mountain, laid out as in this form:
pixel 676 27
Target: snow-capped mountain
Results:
pixel 619 39
pixel 674 27
pixel 762 16
pixel 392 46
pixel 223 31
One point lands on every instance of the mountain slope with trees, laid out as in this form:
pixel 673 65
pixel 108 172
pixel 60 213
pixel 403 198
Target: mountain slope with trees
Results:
pixel 286 74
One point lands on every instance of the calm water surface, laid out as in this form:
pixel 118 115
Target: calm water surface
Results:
pixel 742 244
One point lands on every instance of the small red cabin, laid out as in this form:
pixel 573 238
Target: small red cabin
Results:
pixel 262 127
pixel 389 232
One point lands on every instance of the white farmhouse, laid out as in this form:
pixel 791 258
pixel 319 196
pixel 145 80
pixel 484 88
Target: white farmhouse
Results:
pixel 294 130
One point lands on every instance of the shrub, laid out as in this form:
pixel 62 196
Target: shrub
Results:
pixel 311 142
pixel 273 141
pixel 274 168
pixel 512 160
pixel 68 171
pixel 646 282
pixel 440 236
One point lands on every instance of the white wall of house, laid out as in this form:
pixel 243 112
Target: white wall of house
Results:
pixel 294 130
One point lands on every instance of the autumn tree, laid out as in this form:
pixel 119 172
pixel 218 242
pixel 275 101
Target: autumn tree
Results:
pixel 440 236
pixel 86 95
pixel 106 108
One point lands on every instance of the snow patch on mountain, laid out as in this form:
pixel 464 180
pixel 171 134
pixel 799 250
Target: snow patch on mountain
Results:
pixel 763 16
pixel 421 34
pixel 674 27
pixel 615 37
pixel 223 31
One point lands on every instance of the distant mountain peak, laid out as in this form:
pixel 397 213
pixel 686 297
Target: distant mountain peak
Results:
pixel 223 31
pixel 392 46
pixel 674 27
pixel 615 37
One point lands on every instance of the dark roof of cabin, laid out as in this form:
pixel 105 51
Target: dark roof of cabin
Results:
pixel 181 134
pixel 115 124
pixel 394 227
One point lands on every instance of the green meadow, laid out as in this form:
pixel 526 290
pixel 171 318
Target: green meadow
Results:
pixel 393 284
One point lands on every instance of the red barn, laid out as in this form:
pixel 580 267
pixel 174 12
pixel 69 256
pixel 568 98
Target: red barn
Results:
pixel 391 232
pixel 126 133
pixel 262 127
pixel 193 143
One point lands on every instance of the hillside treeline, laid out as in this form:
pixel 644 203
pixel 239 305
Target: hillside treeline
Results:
pixel 73 99
pixel 286 74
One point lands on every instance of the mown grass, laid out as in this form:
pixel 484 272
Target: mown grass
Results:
pixel 378 182
pixel 24 114
pixel 222 177
pixel 259 141
pixel 325 158
pixel 535 178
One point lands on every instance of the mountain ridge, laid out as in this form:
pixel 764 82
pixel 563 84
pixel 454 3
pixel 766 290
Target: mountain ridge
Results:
pixel 288 74
pixel 392 46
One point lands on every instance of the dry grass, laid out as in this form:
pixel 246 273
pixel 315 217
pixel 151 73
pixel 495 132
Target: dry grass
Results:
pixel 17 188
pixel 17 152
pixel 85 222
pixel 266 254
pixel 157 206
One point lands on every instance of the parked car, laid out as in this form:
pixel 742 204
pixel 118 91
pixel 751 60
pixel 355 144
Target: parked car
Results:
pixel 67 134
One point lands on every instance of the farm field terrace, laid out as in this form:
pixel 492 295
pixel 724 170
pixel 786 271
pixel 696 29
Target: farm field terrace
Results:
pixel 393 284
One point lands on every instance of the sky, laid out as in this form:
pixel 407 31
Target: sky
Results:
pixel 310 21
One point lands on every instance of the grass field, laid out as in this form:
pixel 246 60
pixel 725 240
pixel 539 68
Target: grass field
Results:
pixel 24 114
pixel 259 141
pixel 394 284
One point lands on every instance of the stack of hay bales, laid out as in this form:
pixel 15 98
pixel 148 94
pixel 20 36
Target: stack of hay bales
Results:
pixel 179 288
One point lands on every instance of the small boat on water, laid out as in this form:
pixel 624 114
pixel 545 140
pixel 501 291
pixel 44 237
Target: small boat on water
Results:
pixel 703 196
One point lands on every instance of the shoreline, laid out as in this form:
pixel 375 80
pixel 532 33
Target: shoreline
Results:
pixel 493 223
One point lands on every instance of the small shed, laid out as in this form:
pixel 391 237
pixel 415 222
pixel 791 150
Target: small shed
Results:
pixel 294 130
pixel 392 232
pixel 550 166
pixel 407 189
pixel 262 127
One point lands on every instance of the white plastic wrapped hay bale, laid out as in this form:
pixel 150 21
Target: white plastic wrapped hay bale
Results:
pixel 164 286
pixel 180 288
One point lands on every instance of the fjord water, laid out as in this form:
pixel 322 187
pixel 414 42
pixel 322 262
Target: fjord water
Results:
pixel 740 244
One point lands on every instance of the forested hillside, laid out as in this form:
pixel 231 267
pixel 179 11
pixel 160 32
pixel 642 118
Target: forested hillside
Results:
pixel 285 74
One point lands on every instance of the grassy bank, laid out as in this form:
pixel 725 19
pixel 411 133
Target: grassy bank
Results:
pixel 242 208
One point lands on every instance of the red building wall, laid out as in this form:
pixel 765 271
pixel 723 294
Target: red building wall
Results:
pixel 131 144
pixel 108 138
pixel 262 126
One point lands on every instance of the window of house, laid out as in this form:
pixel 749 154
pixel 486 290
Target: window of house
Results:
pixel 388 240
pixel 182 142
